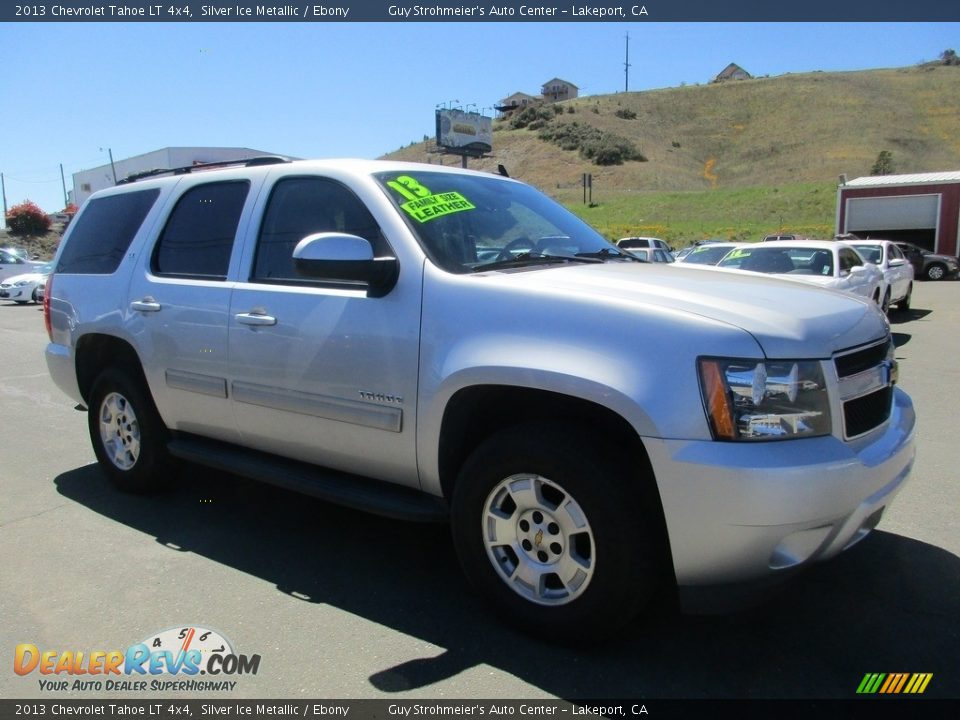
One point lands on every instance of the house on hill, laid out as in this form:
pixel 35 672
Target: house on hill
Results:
pixel 556 90
pixel 517 101
pixel 732 72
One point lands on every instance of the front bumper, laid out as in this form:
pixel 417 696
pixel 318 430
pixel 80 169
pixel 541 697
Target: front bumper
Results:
pixel 748 513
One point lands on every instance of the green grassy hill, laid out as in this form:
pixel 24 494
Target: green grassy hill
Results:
pixel 739 159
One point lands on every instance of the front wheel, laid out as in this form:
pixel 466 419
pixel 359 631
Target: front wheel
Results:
pixel 128 436
pixel 557 533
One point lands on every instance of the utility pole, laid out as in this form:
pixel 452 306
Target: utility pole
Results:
pixel 626 67
pixel 63 182
pixel 3 186
pixel 113 168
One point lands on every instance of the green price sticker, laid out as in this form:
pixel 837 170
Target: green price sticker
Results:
pixel 434 206
pixel 423 205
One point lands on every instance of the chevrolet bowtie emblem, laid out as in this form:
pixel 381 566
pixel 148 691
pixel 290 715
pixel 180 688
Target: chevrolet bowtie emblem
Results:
pixel 539 538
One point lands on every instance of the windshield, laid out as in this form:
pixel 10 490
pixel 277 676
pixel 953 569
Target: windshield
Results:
pixel 472 223
pixel 871 253
pixel 778 259
pixel 707 254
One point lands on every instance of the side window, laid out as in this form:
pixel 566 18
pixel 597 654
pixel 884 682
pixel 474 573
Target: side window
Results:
pixel 106 227
pixel 895 253
pixel 301 206
pixel 848 260
pixel 198 237
pixel 9 258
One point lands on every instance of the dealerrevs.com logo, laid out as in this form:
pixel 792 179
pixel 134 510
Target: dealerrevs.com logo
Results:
pixel 181 653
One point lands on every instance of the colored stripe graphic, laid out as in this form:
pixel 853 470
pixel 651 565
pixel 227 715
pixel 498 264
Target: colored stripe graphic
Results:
pixel 894 683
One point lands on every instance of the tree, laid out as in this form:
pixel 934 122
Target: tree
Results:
pixel 27 219
pixel 884 164
pixel 949 57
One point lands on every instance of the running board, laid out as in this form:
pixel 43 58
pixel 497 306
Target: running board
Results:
pixel 352 491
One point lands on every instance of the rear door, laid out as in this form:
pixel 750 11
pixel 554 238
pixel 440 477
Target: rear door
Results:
pixel 179 303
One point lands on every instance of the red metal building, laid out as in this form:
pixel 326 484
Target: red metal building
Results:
pixel 923 208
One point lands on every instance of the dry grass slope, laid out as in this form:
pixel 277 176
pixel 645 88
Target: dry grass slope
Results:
pixel 794 128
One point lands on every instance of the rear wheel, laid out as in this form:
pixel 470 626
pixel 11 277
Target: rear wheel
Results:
pixel 904 304
pixel 936 271
pixel 128 436
pixel 552 527
pixel 885 305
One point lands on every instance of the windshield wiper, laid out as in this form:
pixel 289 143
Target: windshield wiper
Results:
pixel 533 258
pixel 607 254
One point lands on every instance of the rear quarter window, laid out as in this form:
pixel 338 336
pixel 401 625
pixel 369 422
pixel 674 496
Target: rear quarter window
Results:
pixel 102 234
pixel 198 237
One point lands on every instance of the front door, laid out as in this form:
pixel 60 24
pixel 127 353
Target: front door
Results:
pixel 321 372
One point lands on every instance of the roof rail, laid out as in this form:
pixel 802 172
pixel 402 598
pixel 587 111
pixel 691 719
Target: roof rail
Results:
pixel 186 170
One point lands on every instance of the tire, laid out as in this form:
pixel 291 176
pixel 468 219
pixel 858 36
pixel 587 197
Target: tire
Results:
pixel 904 304
pixel 128 436
pixel 936 271
pixel 557 533
pixel 33 296
pixel 885 306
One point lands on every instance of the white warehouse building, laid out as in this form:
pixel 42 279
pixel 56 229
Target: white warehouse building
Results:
pixel 87 182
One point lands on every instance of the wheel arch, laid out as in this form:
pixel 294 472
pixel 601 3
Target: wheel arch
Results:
pixel 476 413
pixel 96 351
pixel 473 414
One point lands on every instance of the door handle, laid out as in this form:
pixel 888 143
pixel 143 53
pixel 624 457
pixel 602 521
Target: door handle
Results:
pixel 147 304
pixel 255 319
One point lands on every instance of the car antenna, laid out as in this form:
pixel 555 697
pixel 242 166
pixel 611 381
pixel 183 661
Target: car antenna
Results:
pixel 503 171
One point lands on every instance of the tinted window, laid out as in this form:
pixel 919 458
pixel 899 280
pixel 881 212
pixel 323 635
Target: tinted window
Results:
pixel 302 206
pixel 100 237
pixel 9 258
pixel 198 237
pixel 848 260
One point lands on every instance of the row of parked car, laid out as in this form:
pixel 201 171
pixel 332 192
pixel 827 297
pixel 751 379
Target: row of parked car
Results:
pixel 881 270
pixel 22 279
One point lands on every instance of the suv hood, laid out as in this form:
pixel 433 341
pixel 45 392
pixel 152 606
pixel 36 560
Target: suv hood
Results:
pixel 788 319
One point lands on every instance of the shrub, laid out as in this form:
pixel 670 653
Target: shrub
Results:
pixel 27 219
pixel 530 114
pixel 625 114
pixel 600 147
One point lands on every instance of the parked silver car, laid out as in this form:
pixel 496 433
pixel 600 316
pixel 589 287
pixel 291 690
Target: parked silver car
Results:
pixel 440 344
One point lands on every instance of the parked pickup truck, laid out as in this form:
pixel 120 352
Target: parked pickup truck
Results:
pixel 434 343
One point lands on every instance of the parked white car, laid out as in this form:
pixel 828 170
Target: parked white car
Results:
pixel 897 271
pixel 632 243
pixel 709 254
pixel 827 263
pixel 12 262
pixel 25 288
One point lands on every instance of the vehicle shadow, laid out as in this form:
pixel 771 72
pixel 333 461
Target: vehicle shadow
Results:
pixel 898 317
pixel 892 604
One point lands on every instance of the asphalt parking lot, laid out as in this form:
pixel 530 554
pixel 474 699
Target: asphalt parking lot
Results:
pixel 343 605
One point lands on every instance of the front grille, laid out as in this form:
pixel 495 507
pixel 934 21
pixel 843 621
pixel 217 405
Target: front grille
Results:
pixel 861 360
pixel 863 414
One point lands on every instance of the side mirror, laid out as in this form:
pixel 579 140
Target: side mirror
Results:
pixel 342 257
pixel 898 262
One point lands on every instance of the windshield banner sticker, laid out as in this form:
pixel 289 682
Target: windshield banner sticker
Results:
pixel 434 206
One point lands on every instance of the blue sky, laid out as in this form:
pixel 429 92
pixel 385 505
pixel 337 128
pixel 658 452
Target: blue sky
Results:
pixel 70 91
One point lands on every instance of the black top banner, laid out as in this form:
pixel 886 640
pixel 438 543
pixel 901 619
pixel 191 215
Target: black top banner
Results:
pixel 489 11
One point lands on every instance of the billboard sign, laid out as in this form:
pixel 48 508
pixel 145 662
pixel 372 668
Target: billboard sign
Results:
pixel 462 132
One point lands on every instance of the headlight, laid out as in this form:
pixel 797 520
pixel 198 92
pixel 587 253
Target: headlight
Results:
pixel 772 400
pixel 21 283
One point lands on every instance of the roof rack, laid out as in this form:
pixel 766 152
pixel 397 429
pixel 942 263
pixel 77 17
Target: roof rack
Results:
pixel 186 170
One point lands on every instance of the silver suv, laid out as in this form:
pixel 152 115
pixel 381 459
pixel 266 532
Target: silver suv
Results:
pixel 432 343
